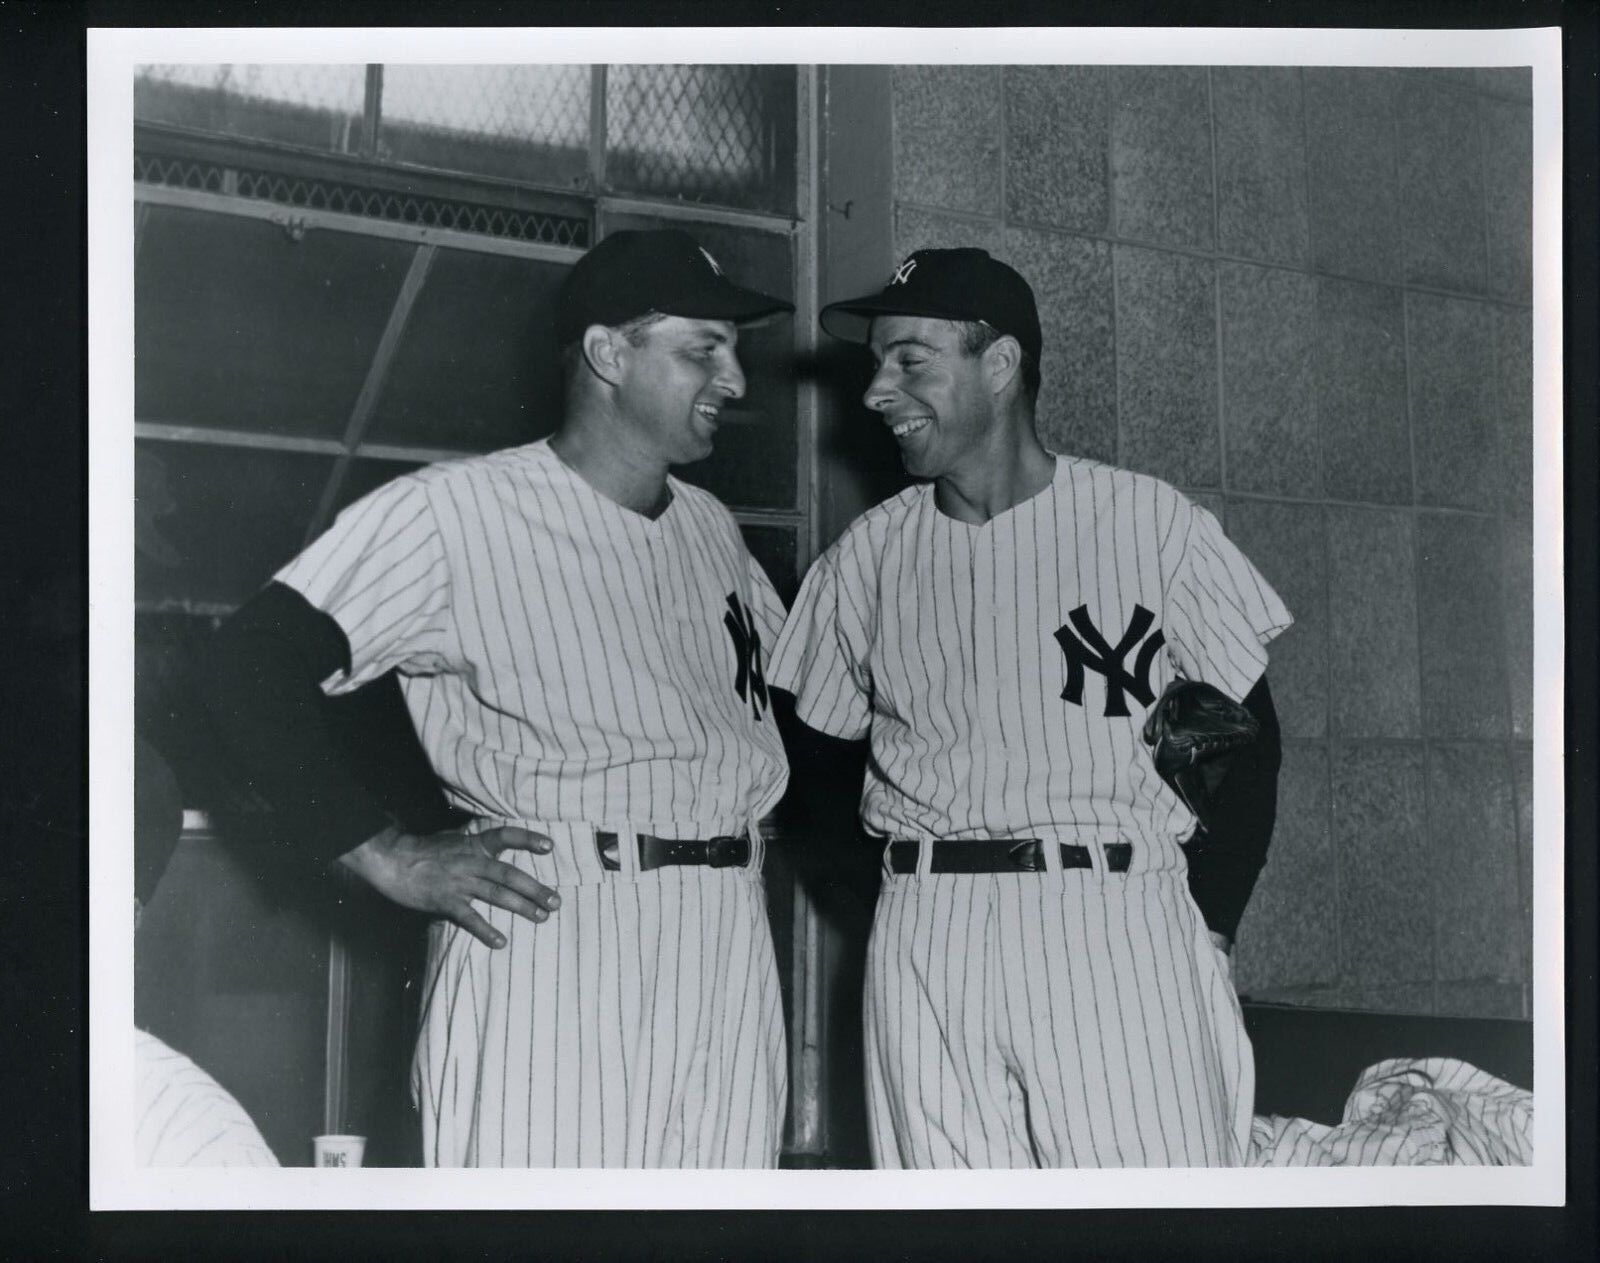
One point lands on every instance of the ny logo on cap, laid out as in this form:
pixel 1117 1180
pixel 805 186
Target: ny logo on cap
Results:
pixel 902 274
pixel 710 260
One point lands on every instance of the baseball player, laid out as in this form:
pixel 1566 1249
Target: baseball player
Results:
pixel 1042 989
pixel 579 639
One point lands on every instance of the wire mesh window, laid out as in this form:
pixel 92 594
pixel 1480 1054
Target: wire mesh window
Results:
pixel 527 123
pixel 717 134
pixel 314 107
pixel 722 134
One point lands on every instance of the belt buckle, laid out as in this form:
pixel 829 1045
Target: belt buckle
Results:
pixel 721 851
pixel 1027 855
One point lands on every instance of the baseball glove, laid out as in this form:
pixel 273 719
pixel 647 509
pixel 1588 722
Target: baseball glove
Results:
pixel 1191 731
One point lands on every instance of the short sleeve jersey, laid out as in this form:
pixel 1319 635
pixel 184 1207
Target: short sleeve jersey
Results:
pixel 1004 671
pixel 564 659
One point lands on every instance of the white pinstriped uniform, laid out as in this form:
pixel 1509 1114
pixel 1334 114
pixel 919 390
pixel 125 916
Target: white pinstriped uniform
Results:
pixel 1074 1017
pixel 1432 1111
pixel 186 1118
pixel 571 665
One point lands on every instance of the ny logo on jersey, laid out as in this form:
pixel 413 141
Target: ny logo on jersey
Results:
pixel 902 274
pixel 1093 652
pixel 750 683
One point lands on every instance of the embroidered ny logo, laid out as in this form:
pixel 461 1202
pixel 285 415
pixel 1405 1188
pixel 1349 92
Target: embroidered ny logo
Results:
pixel 750 683
pixel 1093 652
pixel 902 274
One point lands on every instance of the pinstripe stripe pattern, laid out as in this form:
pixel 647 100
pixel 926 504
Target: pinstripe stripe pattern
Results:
pixel 1435 1111
pixel 186 1118
pixel 568 668
pixel 563 658
pixel 639 1027
pixel 1092 1022
pixel 940 637
pixel 1056 1020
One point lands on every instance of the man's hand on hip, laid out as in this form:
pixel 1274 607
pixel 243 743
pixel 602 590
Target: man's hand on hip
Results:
pixel 442 873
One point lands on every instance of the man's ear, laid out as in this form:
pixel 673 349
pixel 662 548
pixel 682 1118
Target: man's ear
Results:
pixel 1002 359
pixel 603 349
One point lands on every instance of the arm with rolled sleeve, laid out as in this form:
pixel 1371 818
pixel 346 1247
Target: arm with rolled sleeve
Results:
pixel 1221 616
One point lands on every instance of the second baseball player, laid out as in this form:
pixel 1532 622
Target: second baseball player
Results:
pixel 1042 989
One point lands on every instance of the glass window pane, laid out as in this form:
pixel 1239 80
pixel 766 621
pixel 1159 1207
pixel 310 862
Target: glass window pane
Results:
pixel 477 368
pixel 719 134
pixel 754 462
pixel 318 107
pixel 238 515
pixel 239 327
pixel 526 123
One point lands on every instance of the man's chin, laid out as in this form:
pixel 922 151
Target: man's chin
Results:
pixel 693 453
pixel 914 464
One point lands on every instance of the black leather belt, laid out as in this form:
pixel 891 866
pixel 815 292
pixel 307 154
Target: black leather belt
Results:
pixel 1002 855
pixel 724 851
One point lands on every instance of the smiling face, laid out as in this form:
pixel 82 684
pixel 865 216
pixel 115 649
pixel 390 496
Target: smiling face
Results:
pixel 673 382
pixel 935 397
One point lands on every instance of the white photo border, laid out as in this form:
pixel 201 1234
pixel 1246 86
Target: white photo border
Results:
pixel 117 1183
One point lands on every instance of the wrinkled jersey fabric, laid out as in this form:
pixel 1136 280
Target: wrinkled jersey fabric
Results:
pixel 1432 1111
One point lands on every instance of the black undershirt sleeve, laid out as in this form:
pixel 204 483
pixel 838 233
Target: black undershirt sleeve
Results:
pixel 312 777
pixel 1227 854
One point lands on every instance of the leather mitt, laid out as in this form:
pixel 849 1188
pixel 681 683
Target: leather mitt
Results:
pixel 1192 730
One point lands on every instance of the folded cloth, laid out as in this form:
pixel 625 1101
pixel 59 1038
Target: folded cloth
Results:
pixel 1433 1111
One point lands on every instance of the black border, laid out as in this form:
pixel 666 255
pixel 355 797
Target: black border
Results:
pixel 43 896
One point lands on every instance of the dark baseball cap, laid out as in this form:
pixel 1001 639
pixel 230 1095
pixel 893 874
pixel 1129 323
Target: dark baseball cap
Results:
pixel 964 284
pixel 634 272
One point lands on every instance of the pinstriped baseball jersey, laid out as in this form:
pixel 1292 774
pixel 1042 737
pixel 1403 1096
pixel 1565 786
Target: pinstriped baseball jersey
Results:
pixel 563 658
pixel 571 666
pixel 1430 1111
pixel 1004 670
pixel 186 1118
pixel 1074 1017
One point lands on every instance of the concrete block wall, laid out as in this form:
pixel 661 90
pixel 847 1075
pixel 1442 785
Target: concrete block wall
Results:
pixel 1303 296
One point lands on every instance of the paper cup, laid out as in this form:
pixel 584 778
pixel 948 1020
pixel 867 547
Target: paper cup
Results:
pixel 338 1151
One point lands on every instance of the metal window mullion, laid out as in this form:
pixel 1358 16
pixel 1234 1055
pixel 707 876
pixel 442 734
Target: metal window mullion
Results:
pixel 808 115
pixel 809 1068
pixel 372 388
pixel 597 131
pixel 209 436
pixel 372 112
pixel 761 221
pixel 360 225
pixel 206 436
pixel 336 1048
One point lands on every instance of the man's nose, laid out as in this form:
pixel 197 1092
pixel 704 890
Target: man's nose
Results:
pixel 731 379
pixel 880 392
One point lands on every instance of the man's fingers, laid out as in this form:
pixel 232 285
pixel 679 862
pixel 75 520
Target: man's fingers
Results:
pixel 463 914
pixel 519 881
pixel 511 836
pixel 510 900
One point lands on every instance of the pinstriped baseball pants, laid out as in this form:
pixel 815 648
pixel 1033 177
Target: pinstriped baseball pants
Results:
pixel 640 1026
pixel 1057 1019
